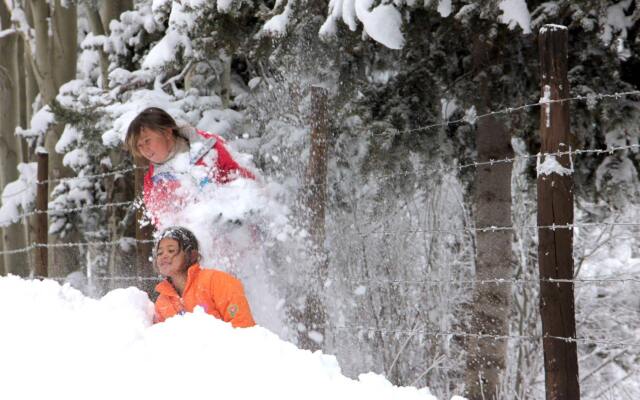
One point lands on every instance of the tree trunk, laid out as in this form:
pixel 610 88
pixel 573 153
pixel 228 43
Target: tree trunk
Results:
pixel 64 48
pixel 43 57
pixel 22 90
pixel 225 82
pixel 314 317
pixel 122 223
pixel 13 236
pixel 144 249
pixel 55 64
pixel 487 356
pixel 98 30
pixel 111 9
pixel 29 91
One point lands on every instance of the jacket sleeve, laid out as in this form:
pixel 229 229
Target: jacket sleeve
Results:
pixel 231 301
pixel 227 166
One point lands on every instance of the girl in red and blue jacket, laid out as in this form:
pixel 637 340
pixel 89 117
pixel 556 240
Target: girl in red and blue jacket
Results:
pixel 175 152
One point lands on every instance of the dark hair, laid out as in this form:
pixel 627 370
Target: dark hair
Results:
pixel 151 118
pixel 187 242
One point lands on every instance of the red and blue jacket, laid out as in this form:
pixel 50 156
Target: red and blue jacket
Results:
pixel 162 183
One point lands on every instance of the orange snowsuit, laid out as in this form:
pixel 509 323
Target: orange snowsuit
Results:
pixel 217 292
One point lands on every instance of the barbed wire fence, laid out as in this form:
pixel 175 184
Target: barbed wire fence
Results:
pixel 19 218
pixel 633 344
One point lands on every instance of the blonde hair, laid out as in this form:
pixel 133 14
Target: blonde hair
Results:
pixel 153 118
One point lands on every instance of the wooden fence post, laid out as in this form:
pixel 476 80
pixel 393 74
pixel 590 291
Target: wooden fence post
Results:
pixel 41 217
pixel 144 234
pixel 315 194
pixel 555 207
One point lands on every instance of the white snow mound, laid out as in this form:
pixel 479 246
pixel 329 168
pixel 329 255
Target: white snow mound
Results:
pixel 58 344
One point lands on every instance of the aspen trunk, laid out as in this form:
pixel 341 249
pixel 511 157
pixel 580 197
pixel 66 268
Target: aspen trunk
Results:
pixel 42 61
pixel 13 236
pixel 63 47
pixel 55 64
pixel 487 356
pixel 29 90
pixel 97 28
pixel 111 9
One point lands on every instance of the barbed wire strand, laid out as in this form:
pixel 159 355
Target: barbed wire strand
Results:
pixel 514 281
pixel 123 242
pixel 106 278
pixel 97 176
pixel 486 229
pixel 385 331
pixel 66 210
pixel 448 169
pixel 509 110
pixel 428 231
pixel 74 178
pixel 132 241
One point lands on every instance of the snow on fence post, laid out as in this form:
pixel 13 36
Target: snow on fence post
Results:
pixel 314 317
pixel 555 207
pixel 41 217
pixel 143 232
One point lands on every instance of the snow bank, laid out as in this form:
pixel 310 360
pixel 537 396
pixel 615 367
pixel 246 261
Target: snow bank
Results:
pixel 56 343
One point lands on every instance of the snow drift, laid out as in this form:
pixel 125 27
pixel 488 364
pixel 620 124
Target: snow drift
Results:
pixel 56 343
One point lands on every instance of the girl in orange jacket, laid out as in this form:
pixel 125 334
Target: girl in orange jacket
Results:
pixel 186 285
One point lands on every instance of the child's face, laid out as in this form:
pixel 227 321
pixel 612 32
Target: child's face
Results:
pixel 155 146
pixel 170 260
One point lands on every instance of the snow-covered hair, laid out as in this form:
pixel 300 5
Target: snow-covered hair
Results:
pixel 187 242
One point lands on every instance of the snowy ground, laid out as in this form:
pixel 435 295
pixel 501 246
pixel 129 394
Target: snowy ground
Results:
pixel 58 344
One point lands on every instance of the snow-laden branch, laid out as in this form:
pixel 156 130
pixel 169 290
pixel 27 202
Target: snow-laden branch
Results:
pixel 276 26
pixel 382 23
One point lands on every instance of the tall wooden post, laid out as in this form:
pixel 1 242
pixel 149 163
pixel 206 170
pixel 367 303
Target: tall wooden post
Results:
pixel 316 194
pixel 144 233
pixel 555 207
pixel 41 217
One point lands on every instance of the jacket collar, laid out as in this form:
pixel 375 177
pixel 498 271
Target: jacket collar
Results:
pixel 199 142
pixel 194 141
pixel 167 289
